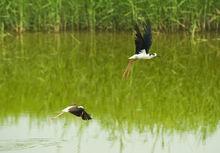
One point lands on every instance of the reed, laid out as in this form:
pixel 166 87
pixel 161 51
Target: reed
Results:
pixel 60 15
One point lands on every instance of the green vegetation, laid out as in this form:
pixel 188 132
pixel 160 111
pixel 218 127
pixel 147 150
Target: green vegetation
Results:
pixel 61 15
pixel 42 73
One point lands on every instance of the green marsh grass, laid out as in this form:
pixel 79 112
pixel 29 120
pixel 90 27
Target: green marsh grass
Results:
pixel 60 15
pixel 42 73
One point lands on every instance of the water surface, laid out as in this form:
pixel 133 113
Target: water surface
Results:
pixel 168 104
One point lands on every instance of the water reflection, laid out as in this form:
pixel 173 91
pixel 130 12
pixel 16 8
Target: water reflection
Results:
pixel 171 103
pixel 30 135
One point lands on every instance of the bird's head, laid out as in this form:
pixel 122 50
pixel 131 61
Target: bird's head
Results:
pixel 153 55
pixel 81 107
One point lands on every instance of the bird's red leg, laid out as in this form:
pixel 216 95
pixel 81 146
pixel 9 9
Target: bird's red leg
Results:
pixel 58 115
pixel 128 69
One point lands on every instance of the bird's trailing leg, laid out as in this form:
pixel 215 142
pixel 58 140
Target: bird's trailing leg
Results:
pixel 58 115
pixel 128 69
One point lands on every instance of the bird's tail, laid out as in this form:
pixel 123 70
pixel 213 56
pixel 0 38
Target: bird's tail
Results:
pixel 86 116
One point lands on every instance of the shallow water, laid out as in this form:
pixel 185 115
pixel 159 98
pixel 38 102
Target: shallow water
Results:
pixel 60 136
pixel 168 104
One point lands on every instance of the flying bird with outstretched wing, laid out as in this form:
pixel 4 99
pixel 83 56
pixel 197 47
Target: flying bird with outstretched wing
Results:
pixel 142 47
pixel 77 111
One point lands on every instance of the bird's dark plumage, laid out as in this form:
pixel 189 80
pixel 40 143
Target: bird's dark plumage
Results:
pixel 143 42
pixel 80 112
pixel 86 116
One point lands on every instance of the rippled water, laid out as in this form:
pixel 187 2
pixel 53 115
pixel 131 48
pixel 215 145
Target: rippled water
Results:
pixel 168 104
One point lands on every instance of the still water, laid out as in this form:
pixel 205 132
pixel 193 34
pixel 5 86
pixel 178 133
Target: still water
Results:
pixel 169 104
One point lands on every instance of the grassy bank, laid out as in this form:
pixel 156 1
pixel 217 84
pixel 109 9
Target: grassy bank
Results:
pixel 60 15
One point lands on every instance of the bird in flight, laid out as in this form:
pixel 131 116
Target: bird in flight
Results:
pixel 77 111
pixel 142 44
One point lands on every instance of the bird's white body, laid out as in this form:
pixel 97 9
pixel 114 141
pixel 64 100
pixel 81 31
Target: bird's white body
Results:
pixel 67 109
pixel 143 55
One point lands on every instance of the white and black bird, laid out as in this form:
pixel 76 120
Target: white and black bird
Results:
pixel 142 47
pixel 77 111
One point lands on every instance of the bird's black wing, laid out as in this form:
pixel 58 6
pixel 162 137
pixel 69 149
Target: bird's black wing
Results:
pixel 139 41
pixel 86 116
pixel 76 111
pixel 147 38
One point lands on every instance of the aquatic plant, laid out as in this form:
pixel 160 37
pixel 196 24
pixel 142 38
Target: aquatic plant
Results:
pixel 59 15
